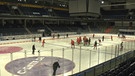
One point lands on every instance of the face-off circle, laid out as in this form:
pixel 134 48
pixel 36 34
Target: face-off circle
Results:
pixel 39 66
pixel 9 49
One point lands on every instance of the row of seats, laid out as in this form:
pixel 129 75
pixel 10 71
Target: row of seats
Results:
pixel 33 26
pixel 117 17
pixel 126 68
pixel 4 9
pixel 34 2
pixel 68 28
pixel 21 10
pixel 18 29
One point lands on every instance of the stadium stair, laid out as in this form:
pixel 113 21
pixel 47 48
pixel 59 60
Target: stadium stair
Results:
pixel 108 30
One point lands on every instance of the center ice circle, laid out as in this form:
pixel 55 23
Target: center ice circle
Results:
pixel 38 66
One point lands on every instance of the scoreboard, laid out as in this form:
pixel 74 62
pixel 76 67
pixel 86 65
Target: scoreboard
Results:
pixel 84 7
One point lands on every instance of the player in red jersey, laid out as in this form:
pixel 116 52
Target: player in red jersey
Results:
pixel 43 42
pixel 72 44
pixel 78 41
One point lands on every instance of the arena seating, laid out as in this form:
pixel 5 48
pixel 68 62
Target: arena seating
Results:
pixel 94 28
pixel 126 68
pixel 61 13
pixel 34 11
pixel 111 15
pixel 12 29
pixel 114 16
pixel 67 28
pixel 35 27
pixel 4 10
pixel 17 29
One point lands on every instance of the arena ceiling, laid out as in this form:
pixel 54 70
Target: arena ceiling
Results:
pixel 106 2
pixel 107 5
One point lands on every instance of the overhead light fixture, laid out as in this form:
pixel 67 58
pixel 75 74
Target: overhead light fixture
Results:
pixel 24 0
pixel 102 2
pixel 36 1
pixel 20 0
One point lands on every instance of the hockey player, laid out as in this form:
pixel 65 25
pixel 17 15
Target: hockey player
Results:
pixel 53 36
pixel 123 36
pixel 67 35
pixel 95 45
pixel 121 46
pixel 33 49
pixel 112 38
pixel 40 39
pixel 118 35
pixel 58 36
pixel 43 42
pixel 86 41
pixel 78 41
pixel 93 35
pixel 103 38
pixel 72 44
pixel 99 41
pixel 56 65
pixel 89 40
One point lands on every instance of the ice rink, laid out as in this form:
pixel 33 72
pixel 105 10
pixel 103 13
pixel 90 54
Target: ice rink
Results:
pixel 16 58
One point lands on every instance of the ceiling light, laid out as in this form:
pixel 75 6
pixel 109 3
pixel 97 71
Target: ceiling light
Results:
pixel 102 2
